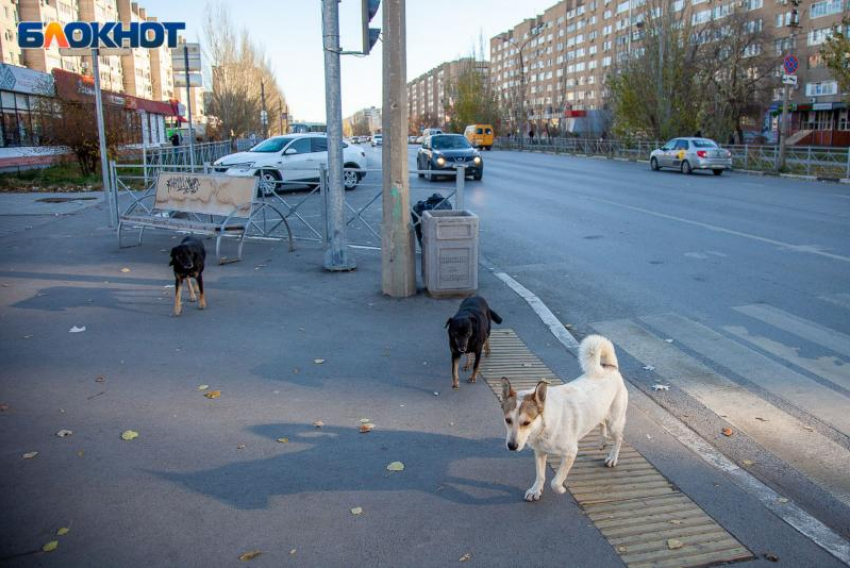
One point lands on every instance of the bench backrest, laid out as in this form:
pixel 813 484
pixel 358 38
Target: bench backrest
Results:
pixel 205 194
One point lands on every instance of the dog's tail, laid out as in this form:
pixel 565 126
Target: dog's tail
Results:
pixel 495 317
pixel 595 353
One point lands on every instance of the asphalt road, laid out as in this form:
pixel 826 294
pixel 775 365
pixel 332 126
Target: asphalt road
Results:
pixel 733 291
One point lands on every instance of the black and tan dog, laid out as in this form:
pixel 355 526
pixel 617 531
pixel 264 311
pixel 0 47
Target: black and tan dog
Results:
pixel 187 258
pixel 469 332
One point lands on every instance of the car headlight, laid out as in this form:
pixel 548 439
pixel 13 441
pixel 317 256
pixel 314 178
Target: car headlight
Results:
pixel 441 161
pixel 477 160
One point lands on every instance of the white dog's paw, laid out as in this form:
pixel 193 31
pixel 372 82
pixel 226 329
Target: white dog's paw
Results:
pixel 534 493
pixel 558 487
pixel 611 460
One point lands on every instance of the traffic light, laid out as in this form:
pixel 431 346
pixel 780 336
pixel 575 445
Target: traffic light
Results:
pixel 370 35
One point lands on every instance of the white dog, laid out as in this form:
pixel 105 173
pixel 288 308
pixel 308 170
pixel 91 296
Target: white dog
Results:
pixel 553 420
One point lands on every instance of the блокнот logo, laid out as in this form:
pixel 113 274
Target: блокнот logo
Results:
pixel 148 35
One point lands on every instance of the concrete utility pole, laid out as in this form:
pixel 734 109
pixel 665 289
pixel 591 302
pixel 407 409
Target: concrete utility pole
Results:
pixel 101 135
pixel 338 256
pixel 189 106
pixel 786 94
pixel 398 260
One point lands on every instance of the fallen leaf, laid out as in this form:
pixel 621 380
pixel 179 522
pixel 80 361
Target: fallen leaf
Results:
pixel 4 407
pixel 245 557
pixel 668 340
pixel 674 543
pixel 318 361
pixel 64 433
pixel 283 440
pixel 318 423
pixel 241 447
pixel 76 329
pixel 125 270
pixel 782 500
pixel 366 428
pixel 213 394
pixel 129 435
pixel 761 419
pixel 436 393
pixel 648 368
pixel 621 549
pixel 29 455
pixel 50 546
pixel 748 462
pixel 292 552
pixel 465 558
pixel 357 511
pixel 365 420
pixel 203 387
pixel 63 531
pixel 771 557
pixel 395 466
pixel 727 432
pixel 660 387
pixel 809 428
pixel 676 522
pixel 100 379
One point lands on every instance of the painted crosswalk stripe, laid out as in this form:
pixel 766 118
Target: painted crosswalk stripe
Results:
pixel 842 300
pixel 811 453
pixel 802 392
pixel 800 327
pixel 633 505
pixel 828 367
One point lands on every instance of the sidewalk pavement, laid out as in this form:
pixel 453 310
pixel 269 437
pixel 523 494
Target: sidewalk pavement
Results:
pixel 289 346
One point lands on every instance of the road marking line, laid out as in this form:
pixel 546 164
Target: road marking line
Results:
pixel 804 393
pixel 810 249
pixel 828 367
pixel 543 312
pixel 814 455
pixel 842 300
pixel 798 326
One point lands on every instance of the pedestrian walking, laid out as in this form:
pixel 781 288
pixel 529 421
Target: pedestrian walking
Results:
pixel 531 135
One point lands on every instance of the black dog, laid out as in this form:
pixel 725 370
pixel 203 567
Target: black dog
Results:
pixel 187 258
pixel 469 332
pixel 436 201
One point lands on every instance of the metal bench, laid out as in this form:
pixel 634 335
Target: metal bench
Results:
pixel 206 204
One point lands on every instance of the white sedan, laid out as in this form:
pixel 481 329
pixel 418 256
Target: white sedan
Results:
pixel 282 161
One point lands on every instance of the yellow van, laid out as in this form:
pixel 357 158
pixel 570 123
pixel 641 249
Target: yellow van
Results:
pixel 480 135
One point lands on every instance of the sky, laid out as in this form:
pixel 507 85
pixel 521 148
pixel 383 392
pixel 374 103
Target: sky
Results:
pixel 291 33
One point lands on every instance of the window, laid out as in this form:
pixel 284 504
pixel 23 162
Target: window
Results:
pixel 318 144
pixel 844 120
pixel 701 17
pixel 825 8
pixel 301 146
pixel 821 89
pixel 754 4
pixel 817 37
pixel 816 61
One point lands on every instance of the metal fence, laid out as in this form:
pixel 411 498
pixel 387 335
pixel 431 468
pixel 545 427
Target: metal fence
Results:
pixel 823 162
pixel 303 203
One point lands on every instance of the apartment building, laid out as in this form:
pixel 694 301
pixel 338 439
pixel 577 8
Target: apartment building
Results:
pixel 111 71
pixel 552 68
pixel 162 72
pixel 429 96
pixel 136 66
pixel 45 60
pixel 10 53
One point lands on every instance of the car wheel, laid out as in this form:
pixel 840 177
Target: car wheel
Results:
pixel 418 167
pixel 350 178
pixel 268 182
pixel 653 164
pixel 717 172
pixel 686 168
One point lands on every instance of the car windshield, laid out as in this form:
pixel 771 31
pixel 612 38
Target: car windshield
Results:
pixel 449 143
pixel 272 145
pixel 703 143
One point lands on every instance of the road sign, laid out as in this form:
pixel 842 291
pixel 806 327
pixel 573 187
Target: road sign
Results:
pixel 790 64
pixel 789 79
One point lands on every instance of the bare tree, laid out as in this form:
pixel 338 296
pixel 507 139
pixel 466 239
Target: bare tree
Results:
pixel 238 68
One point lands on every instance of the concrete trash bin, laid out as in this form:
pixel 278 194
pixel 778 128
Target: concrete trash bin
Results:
pixel 450 252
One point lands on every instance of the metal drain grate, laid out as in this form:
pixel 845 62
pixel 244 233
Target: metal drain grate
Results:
pixel 647 520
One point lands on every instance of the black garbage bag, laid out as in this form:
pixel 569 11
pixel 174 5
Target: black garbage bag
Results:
pixel 436 201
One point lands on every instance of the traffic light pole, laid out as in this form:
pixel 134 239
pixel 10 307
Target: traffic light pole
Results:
pixel 338 255
pixel 398 261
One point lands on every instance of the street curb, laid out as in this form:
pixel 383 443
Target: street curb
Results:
pixel 798 176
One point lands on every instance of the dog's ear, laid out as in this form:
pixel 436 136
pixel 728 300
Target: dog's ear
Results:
pixel 448 322
pixel 540 394
pixel 507 390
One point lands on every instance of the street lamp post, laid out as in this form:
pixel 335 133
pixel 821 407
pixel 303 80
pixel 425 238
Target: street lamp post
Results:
pixel 521 97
